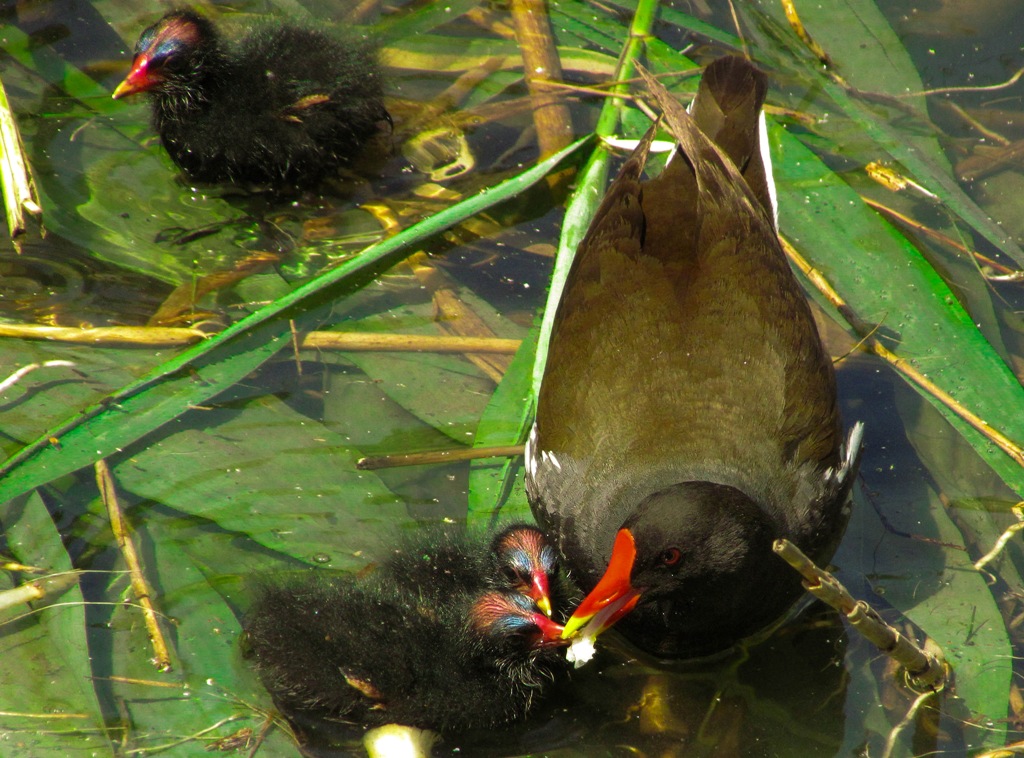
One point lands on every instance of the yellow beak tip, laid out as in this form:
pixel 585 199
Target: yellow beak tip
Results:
pixel 572 626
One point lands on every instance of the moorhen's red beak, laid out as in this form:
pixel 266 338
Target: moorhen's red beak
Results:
pixel 613 597
pixel 139 79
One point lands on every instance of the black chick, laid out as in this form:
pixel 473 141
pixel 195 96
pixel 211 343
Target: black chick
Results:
pixel 422 642
pixel 286 106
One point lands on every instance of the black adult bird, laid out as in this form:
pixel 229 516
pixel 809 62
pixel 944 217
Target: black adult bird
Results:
pixel 284 107
pixel 688 415
pixel 422 641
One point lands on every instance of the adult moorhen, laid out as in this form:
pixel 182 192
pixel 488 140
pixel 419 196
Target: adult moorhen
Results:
pixel 284 107
pixel 422 641
pixel 688 415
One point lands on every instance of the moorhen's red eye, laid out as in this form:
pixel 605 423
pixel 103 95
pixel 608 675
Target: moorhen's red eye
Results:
pixel 671 556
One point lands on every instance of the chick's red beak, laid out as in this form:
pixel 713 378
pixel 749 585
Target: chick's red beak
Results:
pixel 540 592
pixel 550 631
pixel 613 597
pixel 139 79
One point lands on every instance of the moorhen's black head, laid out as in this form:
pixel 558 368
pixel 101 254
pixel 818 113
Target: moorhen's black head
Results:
pixel 679 560
pixel 174 55
pixel 688 412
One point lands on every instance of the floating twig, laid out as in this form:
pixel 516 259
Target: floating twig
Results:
pixel 38 589
pixel 134 336
pixel 427 343
pixel 20 374
pixel 105 482
pixel 18 190
pixel 152 336
pixel 373 462
pixel 1005 272
pixel 455 317
pixel 907 720
pixel 540 65
pixel 1012 529
pixel 977 88
pixel 926 669
pixel 798 28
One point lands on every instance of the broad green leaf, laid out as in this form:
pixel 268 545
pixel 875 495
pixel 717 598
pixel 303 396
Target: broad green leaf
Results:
pixel 46 686
pixel 256 467
pixel 206 369
pixel 696 26
pixel 912 564
pixel 864 45
pixel 47 395
pixel 424 19
pixel 506 421
pixel 446 391
pixel 888 282
pixel 357 409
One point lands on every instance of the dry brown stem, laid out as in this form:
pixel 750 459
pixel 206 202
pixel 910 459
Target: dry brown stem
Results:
pixel 926 669
pixel 372 462
pixel 541 64
pixel 105 481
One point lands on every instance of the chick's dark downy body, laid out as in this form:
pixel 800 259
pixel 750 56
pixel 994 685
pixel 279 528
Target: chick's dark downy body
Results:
pixel 284 106
pixel 419 642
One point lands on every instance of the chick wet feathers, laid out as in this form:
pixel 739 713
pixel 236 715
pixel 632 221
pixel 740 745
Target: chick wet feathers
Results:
pixel 441 636
pixel 284 106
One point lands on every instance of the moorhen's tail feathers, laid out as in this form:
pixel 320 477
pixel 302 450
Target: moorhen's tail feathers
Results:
pixel 727 108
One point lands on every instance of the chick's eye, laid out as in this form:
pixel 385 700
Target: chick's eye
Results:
pixel 510 575
pixel 671 556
